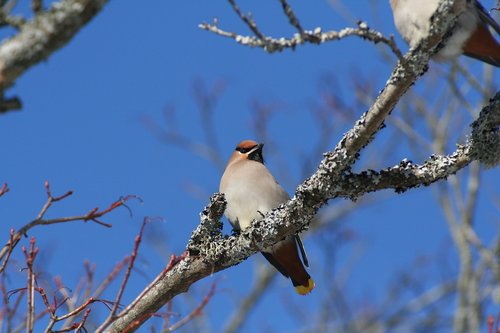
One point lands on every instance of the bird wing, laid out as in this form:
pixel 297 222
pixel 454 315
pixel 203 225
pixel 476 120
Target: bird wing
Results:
pixel 486 17
pixel 302 250
pixel 276 264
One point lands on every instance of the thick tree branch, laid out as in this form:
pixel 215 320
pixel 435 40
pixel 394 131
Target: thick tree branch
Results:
pixel 483 145
pixel 210 251
pixel 45 34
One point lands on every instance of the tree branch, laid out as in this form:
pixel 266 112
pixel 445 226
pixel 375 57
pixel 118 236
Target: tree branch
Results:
pixel 316 36
pixel 483 145
pixel 46 33
pixel 93 215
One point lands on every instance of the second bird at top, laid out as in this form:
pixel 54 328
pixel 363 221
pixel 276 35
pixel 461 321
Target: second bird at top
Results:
pixel 471 35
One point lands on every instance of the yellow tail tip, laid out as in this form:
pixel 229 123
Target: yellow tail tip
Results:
pixel 304 290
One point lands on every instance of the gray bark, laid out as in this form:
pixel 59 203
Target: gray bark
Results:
pixel 46 33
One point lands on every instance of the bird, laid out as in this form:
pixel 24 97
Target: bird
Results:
pixel 471 35
pixel 251 191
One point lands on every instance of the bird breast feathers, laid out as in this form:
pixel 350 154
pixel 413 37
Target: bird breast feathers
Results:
pixel 252 190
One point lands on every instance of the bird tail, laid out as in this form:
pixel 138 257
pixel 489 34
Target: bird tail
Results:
pixel 483 46
pixel 284 256
pixel 305 289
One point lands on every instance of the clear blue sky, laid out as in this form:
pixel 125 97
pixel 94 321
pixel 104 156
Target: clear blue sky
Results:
pixel 82 128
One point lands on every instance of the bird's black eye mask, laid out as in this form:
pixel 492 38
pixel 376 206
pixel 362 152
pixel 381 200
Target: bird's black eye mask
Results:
pixel 244 150
pixel 254 153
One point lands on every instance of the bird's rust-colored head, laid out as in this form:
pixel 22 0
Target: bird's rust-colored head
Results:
pixel 247 150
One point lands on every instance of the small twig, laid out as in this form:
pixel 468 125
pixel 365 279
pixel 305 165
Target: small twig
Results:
pixel 37 6
pixel 248 20
pixel 133 256
pixel 6 9
pixel 51 199
pixel 4 189
pixel 291 16
pixel 111 276
pixel 168 312
pixel 70 301
pixel 93 215
pixel 10 245
pixel 174 260
pixel 14 308
pixel 50 309
pixel 84 305
pixel 89 271
pixel 195 312
pixel 5 312
pixel 84 319
pixel 78 310
pixel 76 327
pixel 490 322
pixel 30 259
pixel 497 6
pixel 17 22
pixel 14 103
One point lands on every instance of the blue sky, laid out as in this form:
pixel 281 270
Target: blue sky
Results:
pixel 82 128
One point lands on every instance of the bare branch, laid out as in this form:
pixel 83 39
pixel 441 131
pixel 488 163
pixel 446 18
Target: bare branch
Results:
pixel 193 313
pixel 37 6
pixel 92 215
pixel 9 104
pixel 110 277
pixel 30 259
pixel 316 36
pixel 287 9
pixel 131 262
pixel 46 33
pixel 247 19
pixel 4 189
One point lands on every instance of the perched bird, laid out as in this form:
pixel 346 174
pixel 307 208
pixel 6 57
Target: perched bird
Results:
pixel 251 191
pixel 471 35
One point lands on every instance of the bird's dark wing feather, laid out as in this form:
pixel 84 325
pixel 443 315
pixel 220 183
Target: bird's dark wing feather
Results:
pixel 302 250
pixel 275 263
pixel 486 17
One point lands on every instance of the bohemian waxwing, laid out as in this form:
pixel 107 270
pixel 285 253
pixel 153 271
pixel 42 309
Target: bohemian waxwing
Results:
pixel 251 191
pixel 471 35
